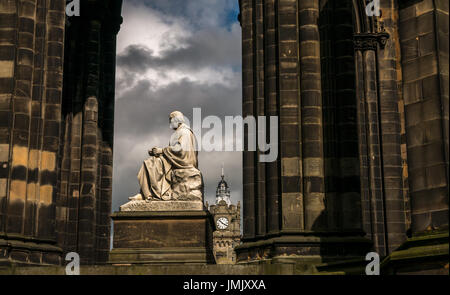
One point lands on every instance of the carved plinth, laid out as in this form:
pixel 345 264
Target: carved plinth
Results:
pixel 162 237
pixel 142 205
pixel 187 185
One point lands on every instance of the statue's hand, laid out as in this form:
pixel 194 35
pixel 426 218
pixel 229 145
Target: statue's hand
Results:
pixel 155 151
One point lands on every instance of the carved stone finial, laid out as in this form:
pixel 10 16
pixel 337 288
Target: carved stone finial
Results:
pixel 370 41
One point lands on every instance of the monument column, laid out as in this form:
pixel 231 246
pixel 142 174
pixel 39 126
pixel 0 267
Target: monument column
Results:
pixel 31 72
pixel 50 64
pixel 422 33
pixel 247 11
pixel 290 149
pixel 311 117
pixel 383 197
pixel 260 175
pixel 297 203
pixel 271 107
pixel 370 150
pixel 85 178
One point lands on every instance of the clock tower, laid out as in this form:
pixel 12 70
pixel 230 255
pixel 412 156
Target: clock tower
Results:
pixel 227 218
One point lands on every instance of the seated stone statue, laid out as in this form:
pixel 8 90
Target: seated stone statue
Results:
pixel 171 173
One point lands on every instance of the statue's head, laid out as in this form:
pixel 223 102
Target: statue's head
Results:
pixel 175 119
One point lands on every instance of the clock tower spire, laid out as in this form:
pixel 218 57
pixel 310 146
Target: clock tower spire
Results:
pixel 227 219
pixel 223 191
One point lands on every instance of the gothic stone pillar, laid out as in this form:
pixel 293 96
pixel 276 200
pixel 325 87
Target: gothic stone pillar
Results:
pixel 423 31
pixel 31 58
pixel 295 214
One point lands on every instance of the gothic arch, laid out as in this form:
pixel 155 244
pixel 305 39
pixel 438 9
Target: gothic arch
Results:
pixel 361 20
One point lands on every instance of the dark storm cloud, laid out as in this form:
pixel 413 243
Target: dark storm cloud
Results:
pixel 207 48
pixel 145 103
pixel 198 12
pixel 136 58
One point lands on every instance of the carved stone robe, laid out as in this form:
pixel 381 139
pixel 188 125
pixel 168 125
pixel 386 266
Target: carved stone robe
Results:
pixel 156 173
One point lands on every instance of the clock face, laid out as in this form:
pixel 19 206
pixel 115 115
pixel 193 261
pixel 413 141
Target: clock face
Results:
pixel 222 223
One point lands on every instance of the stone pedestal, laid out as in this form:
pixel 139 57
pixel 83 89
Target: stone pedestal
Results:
pixel 165 232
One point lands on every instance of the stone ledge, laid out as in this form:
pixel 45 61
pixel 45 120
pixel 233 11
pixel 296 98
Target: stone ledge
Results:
pixel 157 206
pixel 162 256
pixel 131 215
pixel 426 253
pixel 319 249
pixel 27 245
pixel 180 269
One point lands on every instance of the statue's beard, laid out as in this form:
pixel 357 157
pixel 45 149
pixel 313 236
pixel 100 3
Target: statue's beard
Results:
pixel 174 125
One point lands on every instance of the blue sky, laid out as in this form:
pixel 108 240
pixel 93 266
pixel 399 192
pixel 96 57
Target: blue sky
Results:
pixel 232 14
pixel 175 55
